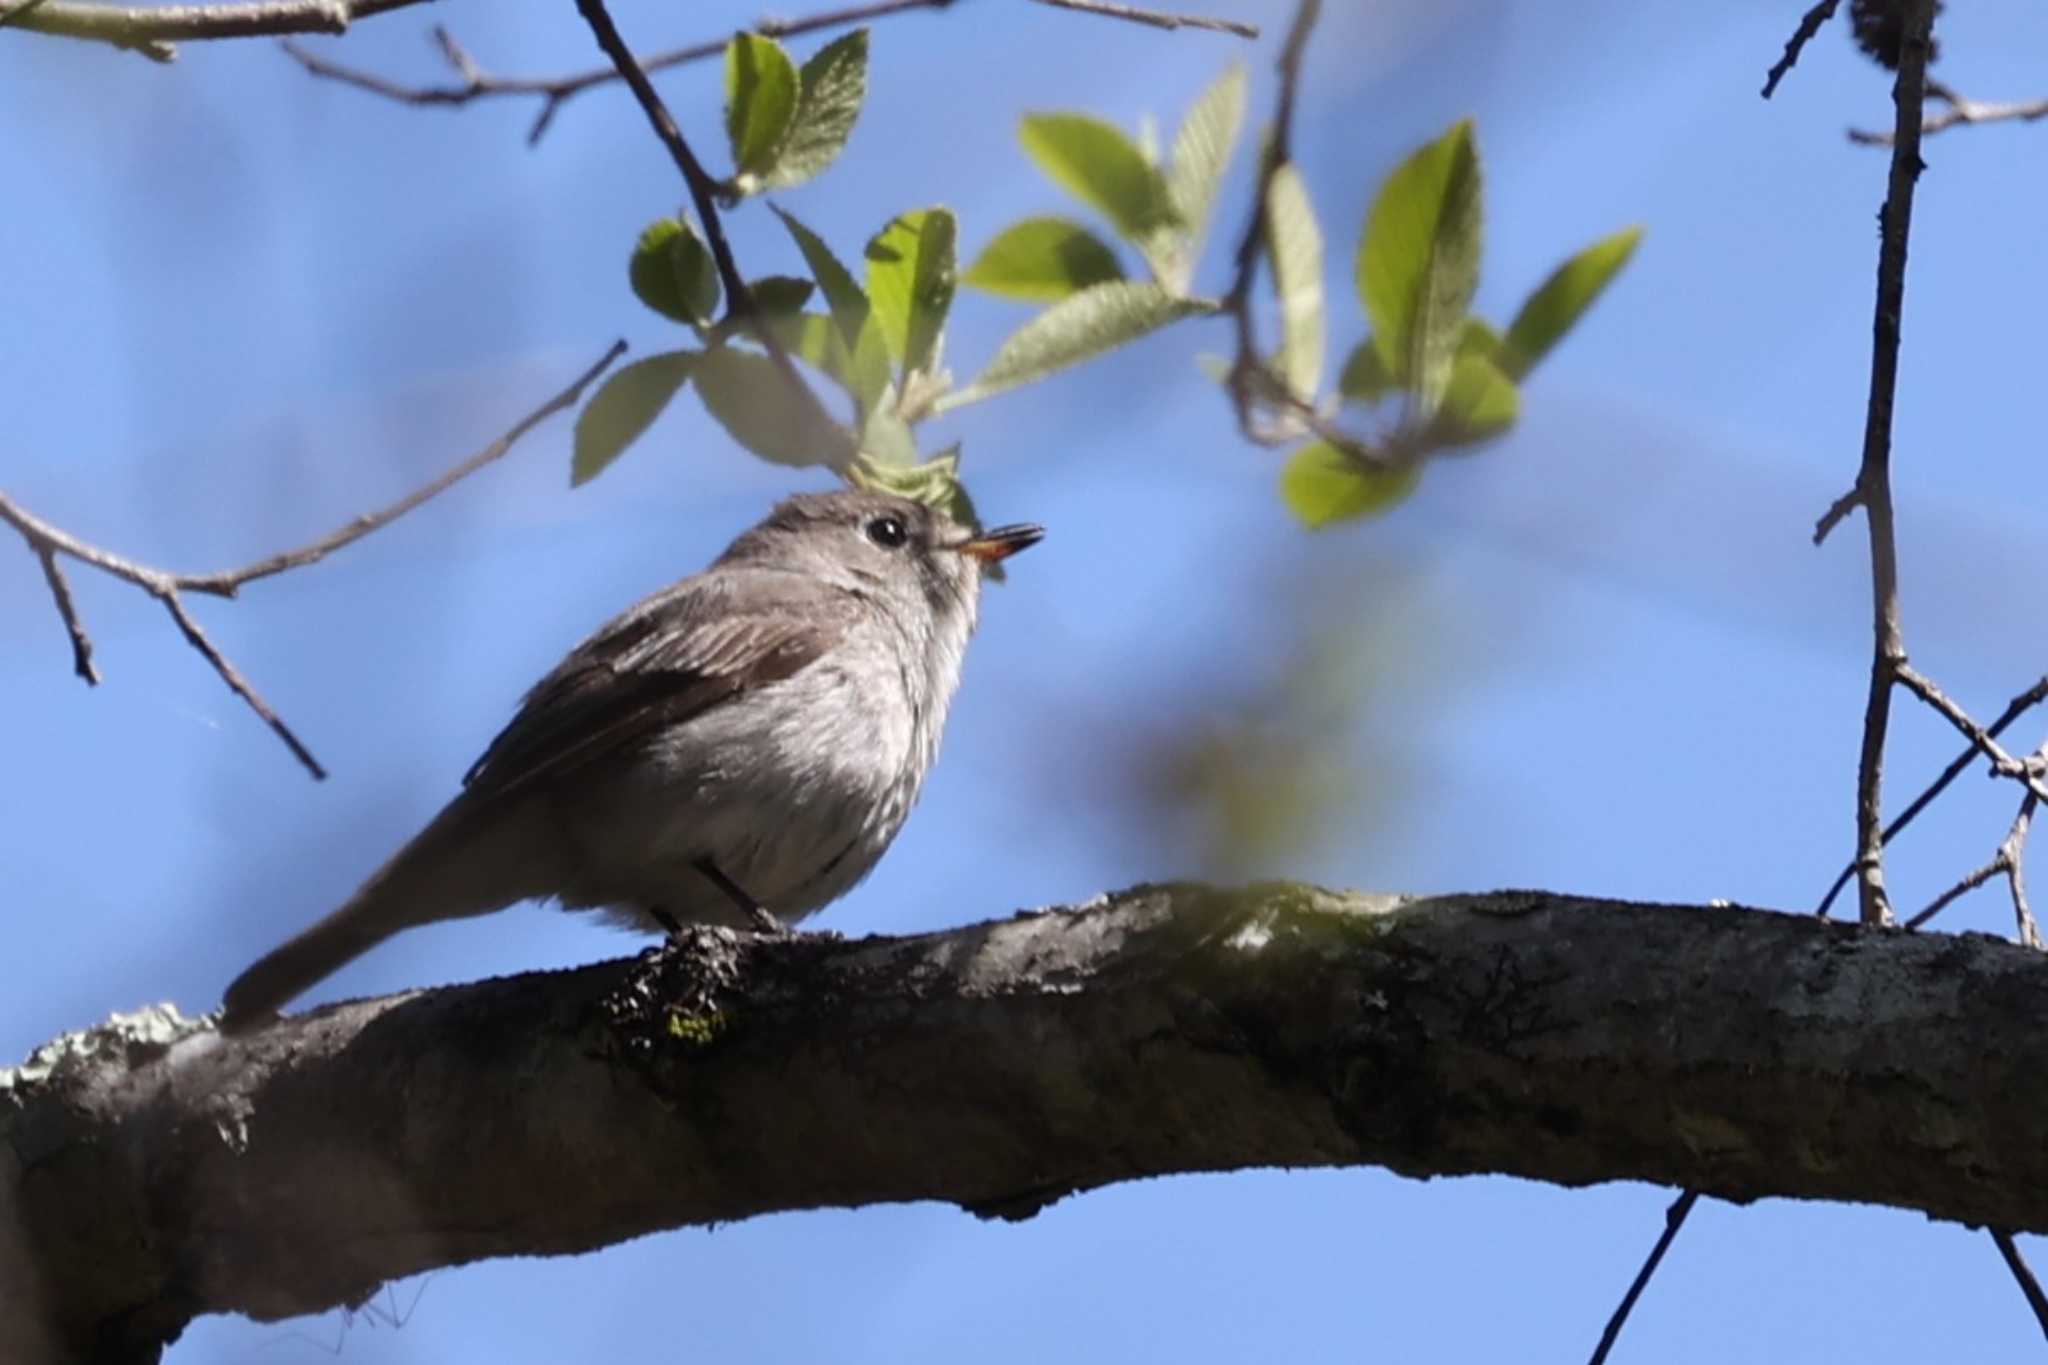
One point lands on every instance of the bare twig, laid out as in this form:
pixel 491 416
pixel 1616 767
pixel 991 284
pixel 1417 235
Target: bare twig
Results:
pixel 48 542
pixel 1247 371
pixel 2014 854
pixel 60 592
pixel 1873 479
pixel 1960 111
pixel 1674 1219
pixel 2003 763
pixel 1251 382
pixel 704 194
pixel 1155 18
pixel 2010 859
pixel 1809 24
pixel 152 29
pixel 1969 882
pixel 2014 709
pixel 2029 1286
pixel 554 92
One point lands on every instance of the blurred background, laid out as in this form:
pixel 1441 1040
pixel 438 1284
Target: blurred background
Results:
pixel 242 305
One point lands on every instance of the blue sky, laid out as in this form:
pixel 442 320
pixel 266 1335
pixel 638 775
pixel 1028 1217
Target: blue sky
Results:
pixel 1599 657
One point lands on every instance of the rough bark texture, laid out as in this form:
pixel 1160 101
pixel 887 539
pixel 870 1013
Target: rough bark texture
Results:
pixel 152 1171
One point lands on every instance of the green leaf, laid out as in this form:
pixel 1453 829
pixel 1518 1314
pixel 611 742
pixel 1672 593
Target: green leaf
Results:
pixel 1294 240
pixel 760 104
pixel 1043 259
pixel 1095 162
pixel 1097 319
pixel 780 293
pixel 751 399
pixel 1322 485
pixel 833 85
pixel 1365 378
pixel 886 442
pixel 1480 402
pixel 1201 149
pixel 1550 312
pixel 626 406
pixel 1418 262
pixel 866 372
pixel 910 284
pixel 672 272
pixel 1475 337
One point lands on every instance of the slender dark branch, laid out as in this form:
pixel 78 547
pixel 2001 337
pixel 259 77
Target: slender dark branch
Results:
pixel 2029 1286
pixel 556 91
pixel 1960 111
pixel 60 592
pixel 1155 18
pixel 1809 24
pixel 1674 1219
pixel 2014 709
pixel 151 29
pixel 1873 479
pixel 48 542
pixel 2003 763
pixel 1251 382
pixel 704 195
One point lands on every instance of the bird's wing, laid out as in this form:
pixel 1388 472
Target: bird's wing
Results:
pixel 666 659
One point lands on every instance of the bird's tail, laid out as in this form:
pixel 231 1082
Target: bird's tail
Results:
pixel 467 862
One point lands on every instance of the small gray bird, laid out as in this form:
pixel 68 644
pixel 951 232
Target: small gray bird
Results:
pixel 738 747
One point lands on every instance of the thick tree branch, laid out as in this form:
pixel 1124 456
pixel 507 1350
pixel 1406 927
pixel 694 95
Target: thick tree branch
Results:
pixel 152 1171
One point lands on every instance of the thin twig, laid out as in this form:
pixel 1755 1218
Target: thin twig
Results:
pixel 2014 709
pixel 1873 479
pixel 1251 382
pixel 1838 509
pixel 553 92
pixel 1155 18
pixel 2010 858
pixel 60 592
pixel 704 194
pixel 1674 1219
pixel 2003 763
pixel 2029 1286
pixel 1960 111
pixel 152 29
pixel 1809 24
pixel 2014 853
pixel 556 91
pixel 48 541
pixel 239 685
pixel 1970 882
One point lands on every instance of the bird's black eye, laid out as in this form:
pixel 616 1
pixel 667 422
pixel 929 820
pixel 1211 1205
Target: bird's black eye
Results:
pixel 887 532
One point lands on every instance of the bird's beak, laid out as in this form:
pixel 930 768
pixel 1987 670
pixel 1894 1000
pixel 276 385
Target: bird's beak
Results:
pixel 991 547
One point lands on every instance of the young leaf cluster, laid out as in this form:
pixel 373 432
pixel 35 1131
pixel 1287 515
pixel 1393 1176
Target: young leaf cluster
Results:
pixel 1448 377
pixel 1162 212
pixel 880 342
pixel 1451 377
